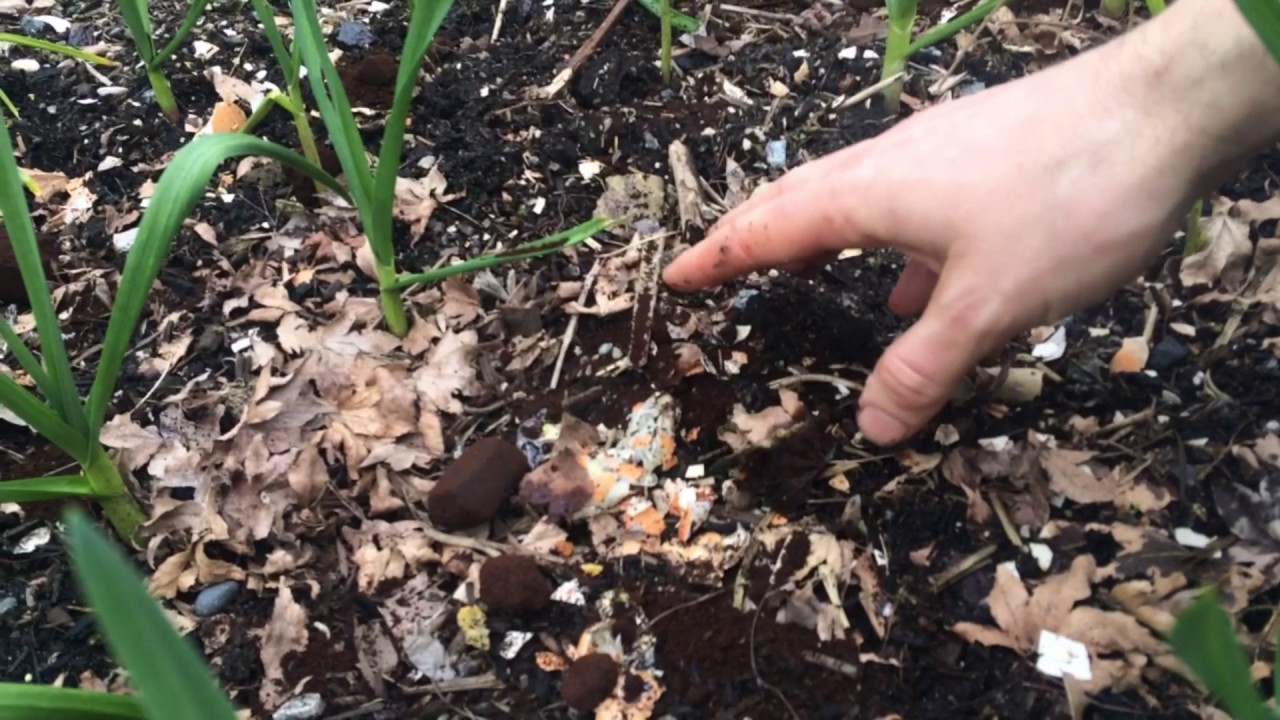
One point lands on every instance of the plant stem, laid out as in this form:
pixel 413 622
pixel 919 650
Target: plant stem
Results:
pixel 1115 9
pixel 392 302
pixel 122 511
pixel 1155 7
pixel 902 17
pixel 1195 235
pixel 666 41
pixel 164 94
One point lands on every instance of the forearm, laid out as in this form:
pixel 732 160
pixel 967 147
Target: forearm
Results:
pixel 1208 86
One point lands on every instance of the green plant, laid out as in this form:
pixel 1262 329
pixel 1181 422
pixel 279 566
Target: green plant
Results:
pixel 58 48
pixel 137 16
pixel 291 100
pixel 169 676
pixel 1264 17
pixel 669 18
pixel 1114 9
pixel 59 415
pixel 1155 7
pixel 373 191
pixel 899 46
pixel 1203 638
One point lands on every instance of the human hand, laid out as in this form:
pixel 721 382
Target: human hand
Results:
pixel 1015 207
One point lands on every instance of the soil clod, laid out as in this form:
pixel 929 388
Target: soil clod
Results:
pixel 475 486
pixel 588 681
pixel 513 583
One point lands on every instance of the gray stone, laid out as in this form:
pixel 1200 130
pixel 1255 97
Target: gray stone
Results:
pixel 302 707
pixel 213 599
pixel 355 34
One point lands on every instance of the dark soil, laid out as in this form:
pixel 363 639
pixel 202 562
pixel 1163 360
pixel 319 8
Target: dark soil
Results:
pixel 472 118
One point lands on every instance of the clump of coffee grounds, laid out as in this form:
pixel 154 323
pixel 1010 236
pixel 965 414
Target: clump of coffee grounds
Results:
pixel 475 486
pixel 513 583
pixel 370 82
pixel 589 681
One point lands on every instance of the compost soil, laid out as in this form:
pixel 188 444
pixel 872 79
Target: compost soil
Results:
pixel 719 662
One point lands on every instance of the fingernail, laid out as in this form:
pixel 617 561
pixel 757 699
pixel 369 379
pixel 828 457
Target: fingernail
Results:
pixel 881 427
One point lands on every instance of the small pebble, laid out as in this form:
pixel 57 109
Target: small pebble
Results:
pixel 302 707
pixel 355 34
pixel 513 583
pixel 589 681
pixel 7 604
pixel 81 35
pixel 214 598
pixel 1166 354
pixel 31 26
pixel 775 154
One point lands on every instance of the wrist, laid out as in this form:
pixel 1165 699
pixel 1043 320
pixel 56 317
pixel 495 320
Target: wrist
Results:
pixel 1205 88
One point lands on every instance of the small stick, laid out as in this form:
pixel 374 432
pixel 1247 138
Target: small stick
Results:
pixel 962 568
pixel 562 78
pixel 497 21
pixel 814 377
pixel 830 663
pixel 573 324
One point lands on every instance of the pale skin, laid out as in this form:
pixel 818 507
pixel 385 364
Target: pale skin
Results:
pixel 1018 205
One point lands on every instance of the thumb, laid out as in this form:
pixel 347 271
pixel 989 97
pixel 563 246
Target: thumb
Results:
pixel 916 375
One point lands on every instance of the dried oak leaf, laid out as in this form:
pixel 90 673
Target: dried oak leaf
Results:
pixel 1226 254
pixel 137 445
pixel 285 633
pixel 1020 616
pixel 748 430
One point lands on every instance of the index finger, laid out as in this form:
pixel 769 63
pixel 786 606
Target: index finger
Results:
pixel 810 212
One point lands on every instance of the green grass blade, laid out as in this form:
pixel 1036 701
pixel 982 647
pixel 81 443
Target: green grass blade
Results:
pixel 54 487
pixel 532 249
pixel 331 100
pixel 1264 16
pixel 42 419
pixel 22 236
pixel 179 189
pixel 171 679
pixel 188 24
pixel 8 104
pixel 937 34
pixel 267 17
pixel 53 47
pixel 680 21
pixel 427 15
pixel 26 359
pixel 43 702
pixel 1204 639
pixel 137 17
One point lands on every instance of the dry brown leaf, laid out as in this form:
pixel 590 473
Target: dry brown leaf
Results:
pixel 137 445
pixel 285 633
pixel 461 302
pixel 417 199
pixel 747 430
pixel 1226 254
pixel 689 199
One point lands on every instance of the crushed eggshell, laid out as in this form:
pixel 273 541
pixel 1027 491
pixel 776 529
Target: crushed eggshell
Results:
pixel 1131 357
pixel 512 643
pixel 1057 656
pixel 473 623
pixel 570 593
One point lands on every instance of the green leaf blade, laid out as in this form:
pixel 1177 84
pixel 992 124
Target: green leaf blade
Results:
pixel 43 419
pixel 188 24
pixel 55 487
pixel 178 191
pixel 45 702
pixel 22 238
pixel 1264 17
pixel 171 678
pixel 1204 639
pixel 137 17
pixel 57 48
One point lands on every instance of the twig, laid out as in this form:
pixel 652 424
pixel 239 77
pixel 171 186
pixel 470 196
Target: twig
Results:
pixel 685 606
pixel 573 324
pixel 1005 521
pixel 962 568
pixel 830 663
pixel 816 378
pixel 766 14
pixel 562 78
pixel 868 91
pixel 497 21
pixel 488 681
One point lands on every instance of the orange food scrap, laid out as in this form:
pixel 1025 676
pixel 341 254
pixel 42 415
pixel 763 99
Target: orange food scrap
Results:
pixel 549 661
pixel 668 452
pixel 778 521
pixel 564 548
pixel 227 117
pixel 630 471
pixel 604 482
pixel 692 434
pixel 649 521
pixel 1131 357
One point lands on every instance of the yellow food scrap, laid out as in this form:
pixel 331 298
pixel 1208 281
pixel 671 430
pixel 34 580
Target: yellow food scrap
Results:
pixel 592 569
pixel 471 620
